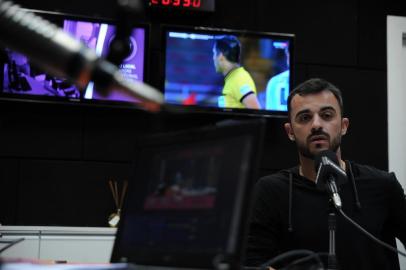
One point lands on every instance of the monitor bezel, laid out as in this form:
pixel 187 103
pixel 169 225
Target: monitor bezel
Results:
pixel 213 30
pixel 57 19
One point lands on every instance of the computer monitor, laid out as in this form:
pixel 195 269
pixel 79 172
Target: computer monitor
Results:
pixel 24 81
pixel 201 69
pixel 187 205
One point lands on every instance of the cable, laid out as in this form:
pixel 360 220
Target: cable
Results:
pixel 252 268
pixel 370 235
pixel 286 255
pixel 10 243
pixel 308 258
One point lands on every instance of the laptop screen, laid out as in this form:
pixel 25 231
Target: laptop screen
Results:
pixel 188 203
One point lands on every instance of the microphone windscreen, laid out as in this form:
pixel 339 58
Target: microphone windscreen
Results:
pixel 325 153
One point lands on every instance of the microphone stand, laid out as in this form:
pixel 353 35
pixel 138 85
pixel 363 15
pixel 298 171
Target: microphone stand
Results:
pixel 328 171
pixel 332 224
pixel 335 203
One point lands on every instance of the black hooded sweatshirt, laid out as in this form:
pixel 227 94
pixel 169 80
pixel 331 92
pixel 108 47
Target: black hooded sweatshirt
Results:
pixel 290 213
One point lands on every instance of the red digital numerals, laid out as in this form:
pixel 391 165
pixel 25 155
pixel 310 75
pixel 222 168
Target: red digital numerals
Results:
pixel 177 3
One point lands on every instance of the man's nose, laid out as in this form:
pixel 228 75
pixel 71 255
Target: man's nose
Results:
pixel 317 122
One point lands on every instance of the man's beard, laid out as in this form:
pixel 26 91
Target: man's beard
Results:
pixel 305 151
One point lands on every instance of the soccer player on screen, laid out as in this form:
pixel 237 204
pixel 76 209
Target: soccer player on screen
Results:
pixel 239 89
pixel 277 88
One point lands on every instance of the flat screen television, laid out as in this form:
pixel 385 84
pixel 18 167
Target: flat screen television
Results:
pixel 22 80
pixel 224 70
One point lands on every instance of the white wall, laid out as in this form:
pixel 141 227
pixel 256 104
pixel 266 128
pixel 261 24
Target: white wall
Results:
pixel 396 57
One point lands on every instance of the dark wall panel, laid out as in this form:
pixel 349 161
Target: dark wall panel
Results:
pixel 67 193
pixel 111 135
pixel 372 31
pixel 236 14
pixel 39 130
pixel 326 31
pixel 9 184
pixel 278 152
pixel 372 34
pixel 300 74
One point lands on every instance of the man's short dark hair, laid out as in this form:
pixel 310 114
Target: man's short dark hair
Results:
pixel 314 86
pixel 229 46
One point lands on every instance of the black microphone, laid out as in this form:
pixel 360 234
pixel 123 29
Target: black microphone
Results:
pixel 329 174
pixel 62 55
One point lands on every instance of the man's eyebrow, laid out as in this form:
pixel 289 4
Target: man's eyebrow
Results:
pixel 308 110
pixel 302 112
pixel 327 108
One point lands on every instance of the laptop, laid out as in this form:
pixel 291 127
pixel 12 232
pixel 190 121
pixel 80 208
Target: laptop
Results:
pixel 188 204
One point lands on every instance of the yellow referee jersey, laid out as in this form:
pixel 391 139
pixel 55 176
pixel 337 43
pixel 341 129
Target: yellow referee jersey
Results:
pixel 238 84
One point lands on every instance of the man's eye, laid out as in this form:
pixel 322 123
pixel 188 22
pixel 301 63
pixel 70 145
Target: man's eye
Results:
pixel 304 118
pixel 327 115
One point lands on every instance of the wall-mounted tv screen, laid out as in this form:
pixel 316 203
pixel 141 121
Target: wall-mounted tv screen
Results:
pixel 227 70
pixel 21 79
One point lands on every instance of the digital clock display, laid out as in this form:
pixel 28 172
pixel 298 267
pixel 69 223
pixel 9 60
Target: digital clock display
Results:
pixel 199 5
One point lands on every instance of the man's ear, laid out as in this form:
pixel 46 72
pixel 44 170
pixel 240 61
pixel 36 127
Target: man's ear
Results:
pixel 345 122
pixel 221 56
pixel 289 131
